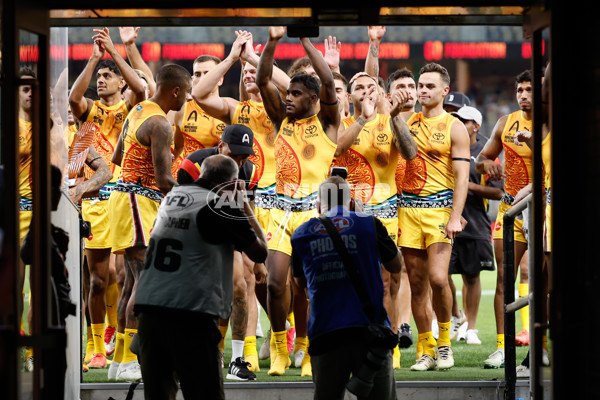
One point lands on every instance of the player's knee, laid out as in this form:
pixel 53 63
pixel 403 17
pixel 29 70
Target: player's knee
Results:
pixel 97 285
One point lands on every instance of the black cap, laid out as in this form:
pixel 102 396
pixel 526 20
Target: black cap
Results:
pixel 456 99
pixel 239 138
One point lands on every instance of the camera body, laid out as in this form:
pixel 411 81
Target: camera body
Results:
pixel 381 341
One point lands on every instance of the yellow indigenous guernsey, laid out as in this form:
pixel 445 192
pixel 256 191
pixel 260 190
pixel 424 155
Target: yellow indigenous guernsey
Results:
pixel 110 120
pixel 547 163
pixel 134 202
pixel 303 155
pixel 518 169
pixel 371 162
pixel 428 184
pixel 253 115
pixel 199 129
pixel 429 176
pixel 25 191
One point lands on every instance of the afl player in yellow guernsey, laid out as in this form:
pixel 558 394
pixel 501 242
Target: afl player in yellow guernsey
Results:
pixel 433 197
pixel 517 173
pixel 250 112
pixel 305 144
pixel 144 153
pixel 109 114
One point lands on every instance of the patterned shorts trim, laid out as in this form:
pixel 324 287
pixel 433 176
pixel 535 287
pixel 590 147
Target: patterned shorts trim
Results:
pixel 441 199
pixel 126 187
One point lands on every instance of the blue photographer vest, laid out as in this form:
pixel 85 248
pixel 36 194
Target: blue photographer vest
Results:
pixel 334 303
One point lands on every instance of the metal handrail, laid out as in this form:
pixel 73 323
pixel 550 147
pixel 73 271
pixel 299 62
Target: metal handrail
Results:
pixel 510 367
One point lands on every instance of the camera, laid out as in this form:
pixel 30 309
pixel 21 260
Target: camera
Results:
pixel 339 171
pixel 381 341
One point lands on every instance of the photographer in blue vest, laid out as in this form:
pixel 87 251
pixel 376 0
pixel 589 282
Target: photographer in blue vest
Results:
pixel 339 327
pixel 187 280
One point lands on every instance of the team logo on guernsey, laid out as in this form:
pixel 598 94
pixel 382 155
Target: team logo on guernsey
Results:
pixel 438 137
pixel 311 131
pixel 139 107
pixel 341 223
pixel 178 200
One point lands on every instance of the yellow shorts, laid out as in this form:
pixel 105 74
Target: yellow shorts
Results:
pixel 96 213
pixel 282 225
pixel 391 224
pixel 421 227
pixel 24 223
pixel 519 234
pixel 548 229
pixel 132 218
pixel 262 215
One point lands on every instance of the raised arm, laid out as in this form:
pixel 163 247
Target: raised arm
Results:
pixel 79 104
pixel 203 92
pixel 486 160
pixel 347 136
pixel 332 53
pixel 128 35
pixel 329 110
pixel 271 97
pixel 403 140
pixel 131 78
pixel 279 77
pixel 372 61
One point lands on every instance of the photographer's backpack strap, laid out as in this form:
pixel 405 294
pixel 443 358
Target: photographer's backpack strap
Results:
pixel 351 267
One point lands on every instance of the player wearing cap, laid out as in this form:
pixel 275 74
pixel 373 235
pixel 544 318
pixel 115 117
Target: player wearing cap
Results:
pixel 455 100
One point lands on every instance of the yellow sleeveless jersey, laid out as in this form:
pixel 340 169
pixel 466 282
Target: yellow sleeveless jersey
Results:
pixel 25 159
pixel 137 166
pixel 303 155
pixel 399 174
pixel 517 159
pixel 547 163
pixel 253 115
pixel 430 173
pixel 110 120
pixel 371 161
pixel 199 129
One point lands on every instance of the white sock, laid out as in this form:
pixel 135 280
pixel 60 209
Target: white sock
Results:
pixel 237 349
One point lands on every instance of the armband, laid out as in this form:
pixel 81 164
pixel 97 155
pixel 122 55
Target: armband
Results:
pixel 329 104
pixel 461 159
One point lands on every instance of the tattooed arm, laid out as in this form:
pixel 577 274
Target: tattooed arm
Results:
pixel 156 132
pixel 102 175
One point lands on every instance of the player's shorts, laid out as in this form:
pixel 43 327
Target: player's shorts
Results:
pixel 132 217
pixel 548 226
pixel 471 256
pixel 263 215
pixel 421 227
pixel 96 213
pixel 282 225
pixel 25 217
pixel 519 233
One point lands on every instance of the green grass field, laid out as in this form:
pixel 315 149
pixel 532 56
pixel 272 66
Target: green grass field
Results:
pixel 468 358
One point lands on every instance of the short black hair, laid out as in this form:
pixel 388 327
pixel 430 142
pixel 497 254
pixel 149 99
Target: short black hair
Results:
pixel 311 83
pixel 397 74
pixel 173 75
pixel 110 64
pixel 524 76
